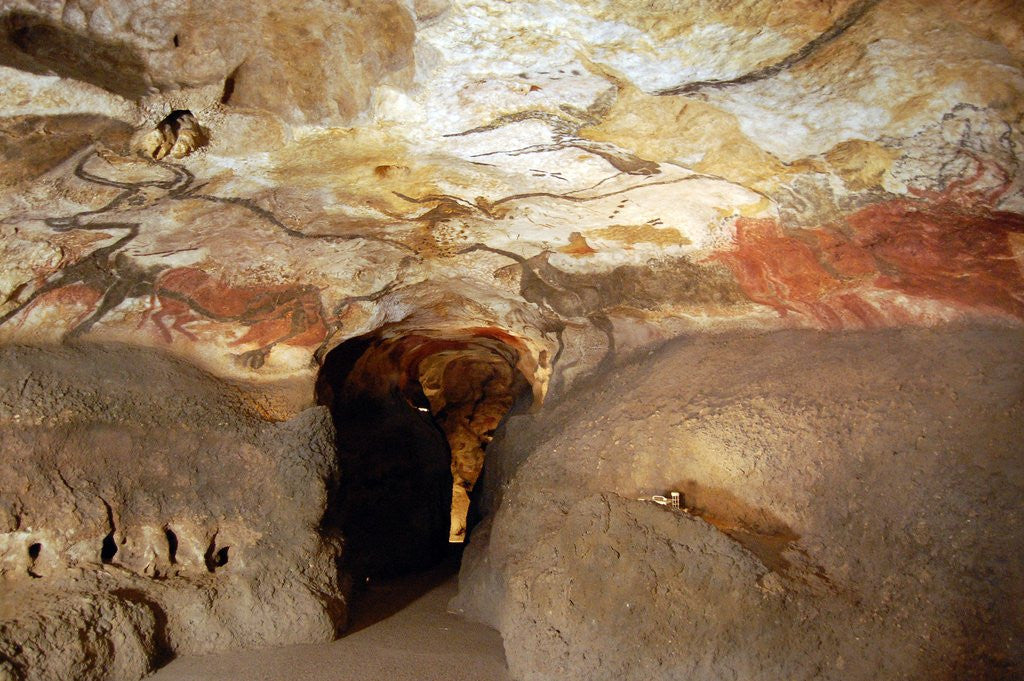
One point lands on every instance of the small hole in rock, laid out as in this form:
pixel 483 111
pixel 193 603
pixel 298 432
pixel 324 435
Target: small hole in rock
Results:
pixel 34 549
pixel 109 549
pixel 172 545
pixel 177 43
pixel 174 118
pixel 229 87
pixel 216 558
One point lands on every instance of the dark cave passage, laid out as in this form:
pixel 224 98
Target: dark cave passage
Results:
pixel 394 494
pixel 413 415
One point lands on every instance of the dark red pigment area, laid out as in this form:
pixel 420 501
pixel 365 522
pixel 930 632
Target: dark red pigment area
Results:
pixel 72 295
pixel 947 252
pixel 949 247
pixel 273 314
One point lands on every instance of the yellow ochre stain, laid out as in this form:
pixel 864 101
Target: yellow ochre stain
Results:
pixel 637 234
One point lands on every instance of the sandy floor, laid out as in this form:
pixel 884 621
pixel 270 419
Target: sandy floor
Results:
pixel 400 630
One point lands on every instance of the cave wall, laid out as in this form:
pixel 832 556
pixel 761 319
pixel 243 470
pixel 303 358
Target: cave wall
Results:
pixel 317 63
pixel 588 178
pixel 576 182
pixel 146 512
pixel 861 527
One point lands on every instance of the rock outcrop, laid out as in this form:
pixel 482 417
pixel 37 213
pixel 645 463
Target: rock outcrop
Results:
pixel 861 527
pixel 147 511
pixel 309 64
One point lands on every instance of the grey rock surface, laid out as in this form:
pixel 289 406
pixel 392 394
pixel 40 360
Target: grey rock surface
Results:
pixel 309 63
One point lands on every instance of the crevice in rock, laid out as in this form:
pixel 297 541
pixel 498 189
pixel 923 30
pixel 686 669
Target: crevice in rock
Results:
pixel 108 549
pixel 172 545
pixel 229 86
pixel 34 550
pixel 216 557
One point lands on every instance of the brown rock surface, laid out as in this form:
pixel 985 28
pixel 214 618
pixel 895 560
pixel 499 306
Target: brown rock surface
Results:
pixel 146 512
pixel 861 526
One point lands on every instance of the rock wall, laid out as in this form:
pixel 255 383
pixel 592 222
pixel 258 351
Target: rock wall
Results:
pixel 587 178
pixel 852 512
pixel 317 63
pixel 145 512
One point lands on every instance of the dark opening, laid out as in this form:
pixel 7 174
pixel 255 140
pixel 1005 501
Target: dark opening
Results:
pixel 173 119
pixel 393 498
pixel 216 557
pixel 413 414
pixel 229 86
pixel 109 548
pixel 172 545
pixel 177 43
pixel 33 553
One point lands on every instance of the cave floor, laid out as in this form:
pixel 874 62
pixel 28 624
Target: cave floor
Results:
pixel 399 630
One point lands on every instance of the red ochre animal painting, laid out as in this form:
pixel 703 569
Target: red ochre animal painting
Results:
pixel 274 314
pixel 948 246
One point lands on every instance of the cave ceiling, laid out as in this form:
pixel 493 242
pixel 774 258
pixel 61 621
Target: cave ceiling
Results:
pixel 576 180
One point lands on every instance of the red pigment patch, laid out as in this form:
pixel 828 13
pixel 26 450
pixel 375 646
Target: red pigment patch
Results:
pixel 273 314
pixel 500 335
pixel 78 295
pixel 948 247
pixel 944 252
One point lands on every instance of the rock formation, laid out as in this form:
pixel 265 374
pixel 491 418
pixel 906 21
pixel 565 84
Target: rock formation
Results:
pixel 127 536
pixel 275 274
pixel 861 527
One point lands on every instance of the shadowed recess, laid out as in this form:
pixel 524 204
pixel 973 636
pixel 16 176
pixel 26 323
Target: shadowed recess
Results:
pixel 34 43
pixel 414 414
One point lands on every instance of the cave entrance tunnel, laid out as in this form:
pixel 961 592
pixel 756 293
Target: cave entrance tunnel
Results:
pixel 414 414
